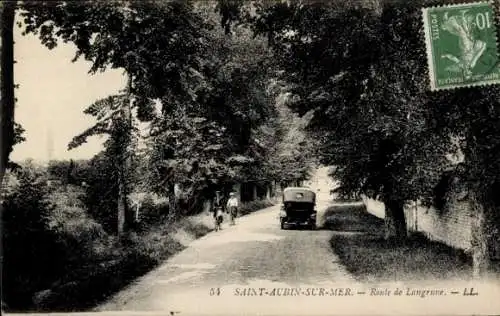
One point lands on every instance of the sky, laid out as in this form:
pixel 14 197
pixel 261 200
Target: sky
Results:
pixel 52 94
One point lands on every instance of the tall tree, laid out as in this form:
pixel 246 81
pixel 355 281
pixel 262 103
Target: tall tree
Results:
pixel 7 138
pixel 473 117
pixel 157 44
pixel 230 103
pixel 192 152
pixel 292 155
pixel 114 119
pixel 371 109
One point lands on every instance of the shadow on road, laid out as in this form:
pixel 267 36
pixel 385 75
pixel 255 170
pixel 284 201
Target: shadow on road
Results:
pixel 359 243
pixel 350 217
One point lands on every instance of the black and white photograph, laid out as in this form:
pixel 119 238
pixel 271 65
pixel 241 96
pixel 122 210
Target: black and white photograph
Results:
pixel 260 157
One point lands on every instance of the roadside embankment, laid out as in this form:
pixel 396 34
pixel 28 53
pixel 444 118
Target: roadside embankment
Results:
pixel 141 252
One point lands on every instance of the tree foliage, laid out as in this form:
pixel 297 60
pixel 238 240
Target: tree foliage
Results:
pixel 292 153
pixel 174 56
pixel 102 192
pixel 213 140
pixel 376 119
pixel 114 118
pixel 158 44
pixel 373 116
pixel 68 172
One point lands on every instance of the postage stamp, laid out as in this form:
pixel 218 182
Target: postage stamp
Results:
pixel 461 45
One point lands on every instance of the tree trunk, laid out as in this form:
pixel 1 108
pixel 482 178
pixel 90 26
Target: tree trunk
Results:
pixel 268 191
pixel 395 222
pixel 482 228
pixel 483 206
pixel 172 200
pixel 7 100
pixel 122 202
pixel 123 144
pixel 137 210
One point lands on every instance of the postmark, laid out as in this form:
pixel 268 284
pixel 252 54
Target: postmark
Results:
pixel 462 47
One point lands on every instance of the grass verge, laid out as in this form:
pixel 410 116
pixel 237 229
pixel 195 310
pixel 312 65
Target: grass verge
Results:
pixel 91 285
pixel 366 254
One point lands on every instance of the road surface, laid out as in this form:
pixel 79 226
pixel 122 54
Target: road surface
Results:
pixel 225 269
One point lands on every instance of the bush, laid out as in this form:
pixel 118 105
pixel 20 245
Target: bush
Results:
pixel 83 239
pixel 252 206
pixel 31 251
pixel 152 211
pixel 101 192
pixel 153 246
pixel 49 239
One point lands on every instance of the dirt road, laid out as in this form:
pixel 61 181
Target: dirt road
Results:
pixel 231 269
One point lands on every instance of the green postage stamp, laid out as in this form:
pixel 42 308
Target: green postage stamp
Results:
pixel 461 45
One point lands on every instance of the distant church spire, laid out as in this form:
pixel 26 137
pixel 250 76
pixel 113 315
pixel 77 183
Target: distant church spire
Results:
pixel 50 144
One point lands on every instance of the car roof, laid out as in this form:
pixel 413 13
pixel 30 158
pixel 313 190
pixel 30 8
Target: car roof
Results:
pixel 298 189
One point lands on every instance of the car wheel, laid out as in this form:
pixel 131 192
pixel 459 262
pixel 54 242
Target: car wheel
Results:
pixel 282 224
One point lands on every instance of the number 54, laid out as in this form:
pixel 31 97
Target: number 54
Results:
pixel 215 291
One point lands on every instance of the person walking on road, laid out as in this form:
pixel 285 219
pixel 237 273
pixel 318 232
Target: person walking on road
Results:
pixel 233 206
pixel 218 212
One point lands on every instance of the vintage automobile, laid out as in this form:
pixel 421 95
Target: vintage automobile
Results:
pixel 298 208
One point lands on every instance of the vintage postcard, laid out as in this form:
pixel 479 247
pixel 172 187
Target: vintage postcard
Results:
pixel 250 157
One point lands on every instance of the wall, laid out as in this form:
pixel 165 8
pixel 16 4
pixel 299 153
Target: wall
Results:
pixel 452 226
pixel 374 207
